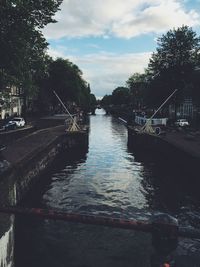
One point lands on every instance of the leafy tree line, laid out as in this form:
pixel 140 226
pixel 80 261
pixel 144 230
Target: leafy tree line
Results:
pixel 174 65
pixel 24 62
pixel 65 78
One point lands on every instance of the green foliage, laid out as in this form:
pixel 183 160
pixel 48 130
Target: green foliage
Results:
pixel 106 100
pixel 120 96
pixel 93 101
pixel 194 86
pixel 66 79
pixel 173 65
pixel 83 98
pixel 24 61
pixel 22 45
pixel 137 85
pixel 136 78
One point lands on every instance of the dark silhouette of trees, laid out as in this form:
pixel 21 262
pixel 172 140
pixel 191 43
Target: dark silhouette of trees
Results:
pixel 65 78
pixel 120 95
pixel 22 45
pixel 173 64
pixel 137 85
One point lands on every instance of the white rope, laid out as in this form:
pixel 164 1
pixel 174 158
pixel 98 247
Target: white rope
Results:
pixel 148 126
pixel 74 127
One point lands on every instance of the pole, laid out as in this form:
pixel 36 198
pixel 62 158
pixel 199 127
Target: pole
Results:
pixel 159 108
pixel 78 218
pixel 162 221
pixel 66 110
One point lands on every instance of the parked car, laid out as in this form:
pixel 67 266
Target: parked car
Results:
pixel 20 122
pixel 11 125
pixel 182 122
pixel 14 123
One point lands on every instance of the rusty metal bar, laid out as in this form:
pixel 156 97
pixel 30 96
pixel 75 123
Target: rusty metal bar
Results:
pixel 189 232
pixel 148 226
pixel 79 218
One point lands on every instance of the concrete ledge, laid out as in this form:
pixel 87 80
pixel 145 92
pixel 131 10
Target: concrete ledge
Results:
pixel 173 148
pixel 8 137
pixel 31 156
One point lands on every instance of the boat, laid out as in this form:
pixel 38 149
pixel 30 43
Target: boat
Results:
pixel 147 136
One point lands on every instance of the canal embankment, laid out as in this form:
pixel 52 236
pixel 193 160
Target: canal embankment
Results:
pixel 107 181
pixel 8 137
pixel 122 111
pixel 178 146
pixel 28 156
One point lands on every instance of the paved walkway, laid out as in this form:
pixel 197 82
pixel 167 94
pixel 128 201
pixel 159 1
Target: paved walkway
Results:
pixel 188 142
pixel 17 151
pixel 185 140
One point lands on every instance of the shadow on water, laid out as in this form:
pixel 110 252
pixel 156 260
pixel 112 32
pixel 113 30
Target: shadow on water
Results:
pixel 68 158
pixel 39 238
pixel 173 189
pixel 169 187
pixel 108 180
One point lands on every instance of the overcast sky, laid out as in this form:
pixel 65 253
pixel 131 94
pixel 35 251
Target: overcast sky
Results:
pixel 112 39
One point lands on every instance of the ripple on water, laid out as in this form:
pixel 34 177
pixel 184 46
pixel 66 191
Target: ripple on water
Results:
pixel 110 181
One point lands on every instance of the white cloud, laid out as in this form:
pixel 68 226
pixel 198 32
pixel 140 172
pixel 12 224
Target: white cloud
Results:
pixel 106 71
pixel 107 18
pixel 55 53
pixel 93 46
pixel 126 19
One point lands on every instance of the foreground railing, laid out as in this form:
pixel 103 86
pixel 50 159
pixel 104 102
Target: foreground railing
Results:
pixel 163 227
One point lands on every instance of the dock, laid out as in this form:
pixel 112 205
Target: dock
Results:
pixel 178 146
pixel 187 142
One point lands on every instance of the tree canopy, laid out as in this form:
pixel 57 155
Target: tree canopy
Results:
pixel 120 96
pixel 25 63
pixel 137 84
pixel 174 65
pixel 174 62
pixel 22 45
pixel 65 78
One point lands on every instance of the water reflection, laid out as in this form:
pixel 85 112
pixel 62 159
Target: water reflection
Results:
pixel 109 180
pixel 6 241
pixel 169 188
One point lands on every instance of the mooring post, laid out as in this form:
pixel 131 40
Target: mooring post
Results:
pixel 164 239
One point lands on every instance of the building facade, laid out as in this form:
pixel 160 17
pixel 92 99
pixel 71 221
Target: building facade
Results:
pixel 184 110
pixel 10 102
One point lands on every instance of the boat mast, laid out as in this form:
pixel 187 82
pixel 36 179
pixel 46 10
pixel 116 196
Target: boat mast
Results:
pixel 148 126
pixel 75 126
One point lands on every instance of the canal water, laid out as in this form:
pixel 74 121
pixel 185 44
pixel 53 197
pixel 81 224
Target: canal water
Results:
pixel 112 181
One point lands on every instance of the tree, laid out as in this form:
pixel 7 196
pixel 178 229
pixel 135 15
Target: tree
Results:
pixel 173 64
pixel 42 103
pixel 93 101
pixel 137 85
pixel 83 99
pixel 120 96
pixel 22 45
pixel 106 100
pixel 21 22
pixel 66 79
pixel 194 86
pixel 136 78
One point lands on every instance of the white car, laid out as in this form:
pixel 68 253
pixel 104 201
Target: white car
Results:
pixel 182 122
pixel 20 122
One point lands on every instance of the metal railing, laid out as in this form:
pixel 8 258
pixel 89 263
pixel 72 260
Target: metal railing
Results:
pixel 163 227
